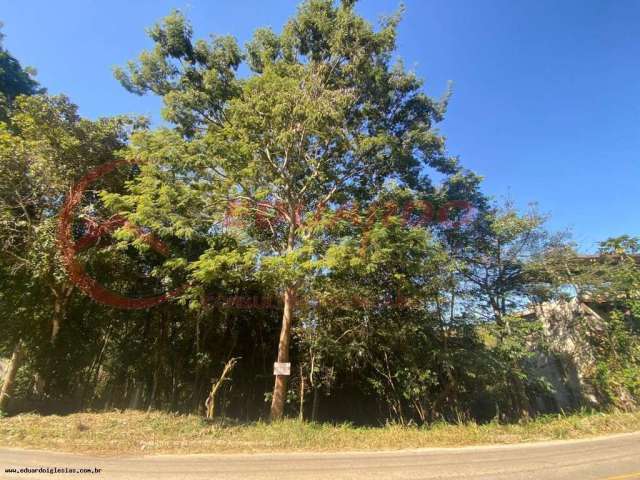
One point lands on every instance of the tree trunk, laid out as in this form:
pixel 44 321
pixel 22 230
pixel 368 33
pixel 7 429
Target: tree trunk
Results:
pixel 59 307
pixel 56 321
pixel 210 403
pixel 301 394
pixel 158 363
pixel 134 402
pixel 61 298
pixel 316 403
pixel 10 376
pixel 154 390
pixel 280 386
pixel 93 375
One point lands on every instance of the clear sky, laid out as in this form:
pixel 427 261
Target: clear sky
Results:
pixel 546 102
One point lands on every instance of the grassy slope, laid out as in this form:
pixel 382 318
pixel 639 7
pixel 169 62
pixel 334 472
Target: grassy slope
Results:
pixel 143 433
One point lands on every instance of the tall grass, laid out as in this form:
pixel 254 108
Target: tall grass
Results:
pixel 133 432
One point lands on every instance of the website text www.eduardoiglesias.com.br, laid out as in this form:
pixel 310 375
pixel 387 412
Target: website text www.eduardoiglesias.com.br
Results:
pixel 53 470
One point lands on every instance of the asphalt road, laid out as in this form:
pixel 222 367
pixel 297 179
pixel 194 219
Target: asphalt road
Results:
pixel 611 458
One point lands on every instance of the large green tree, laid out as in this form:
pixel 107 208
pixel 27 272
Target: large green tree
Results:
pixel 45 146
pixel 326 118
pixel 15 79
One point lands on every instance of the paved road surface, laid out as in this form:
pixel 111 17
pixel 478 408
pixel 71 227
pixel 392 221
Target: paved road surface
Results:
pixel 611 458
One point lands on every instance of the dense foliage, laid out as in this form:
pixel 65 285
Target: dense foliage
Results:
pixel 295 212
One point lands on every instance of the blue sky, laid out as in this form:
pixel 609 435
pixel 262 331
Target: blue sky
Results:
pixel 546 102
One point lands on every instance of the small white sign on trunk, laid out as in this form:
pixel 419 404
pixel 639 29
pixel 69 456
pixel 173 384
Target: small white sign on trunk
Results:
pixel 282 368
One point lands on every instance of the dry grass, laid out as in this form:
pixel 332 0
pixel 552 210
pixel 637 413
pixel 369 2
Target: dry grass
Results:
pixel 133 432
